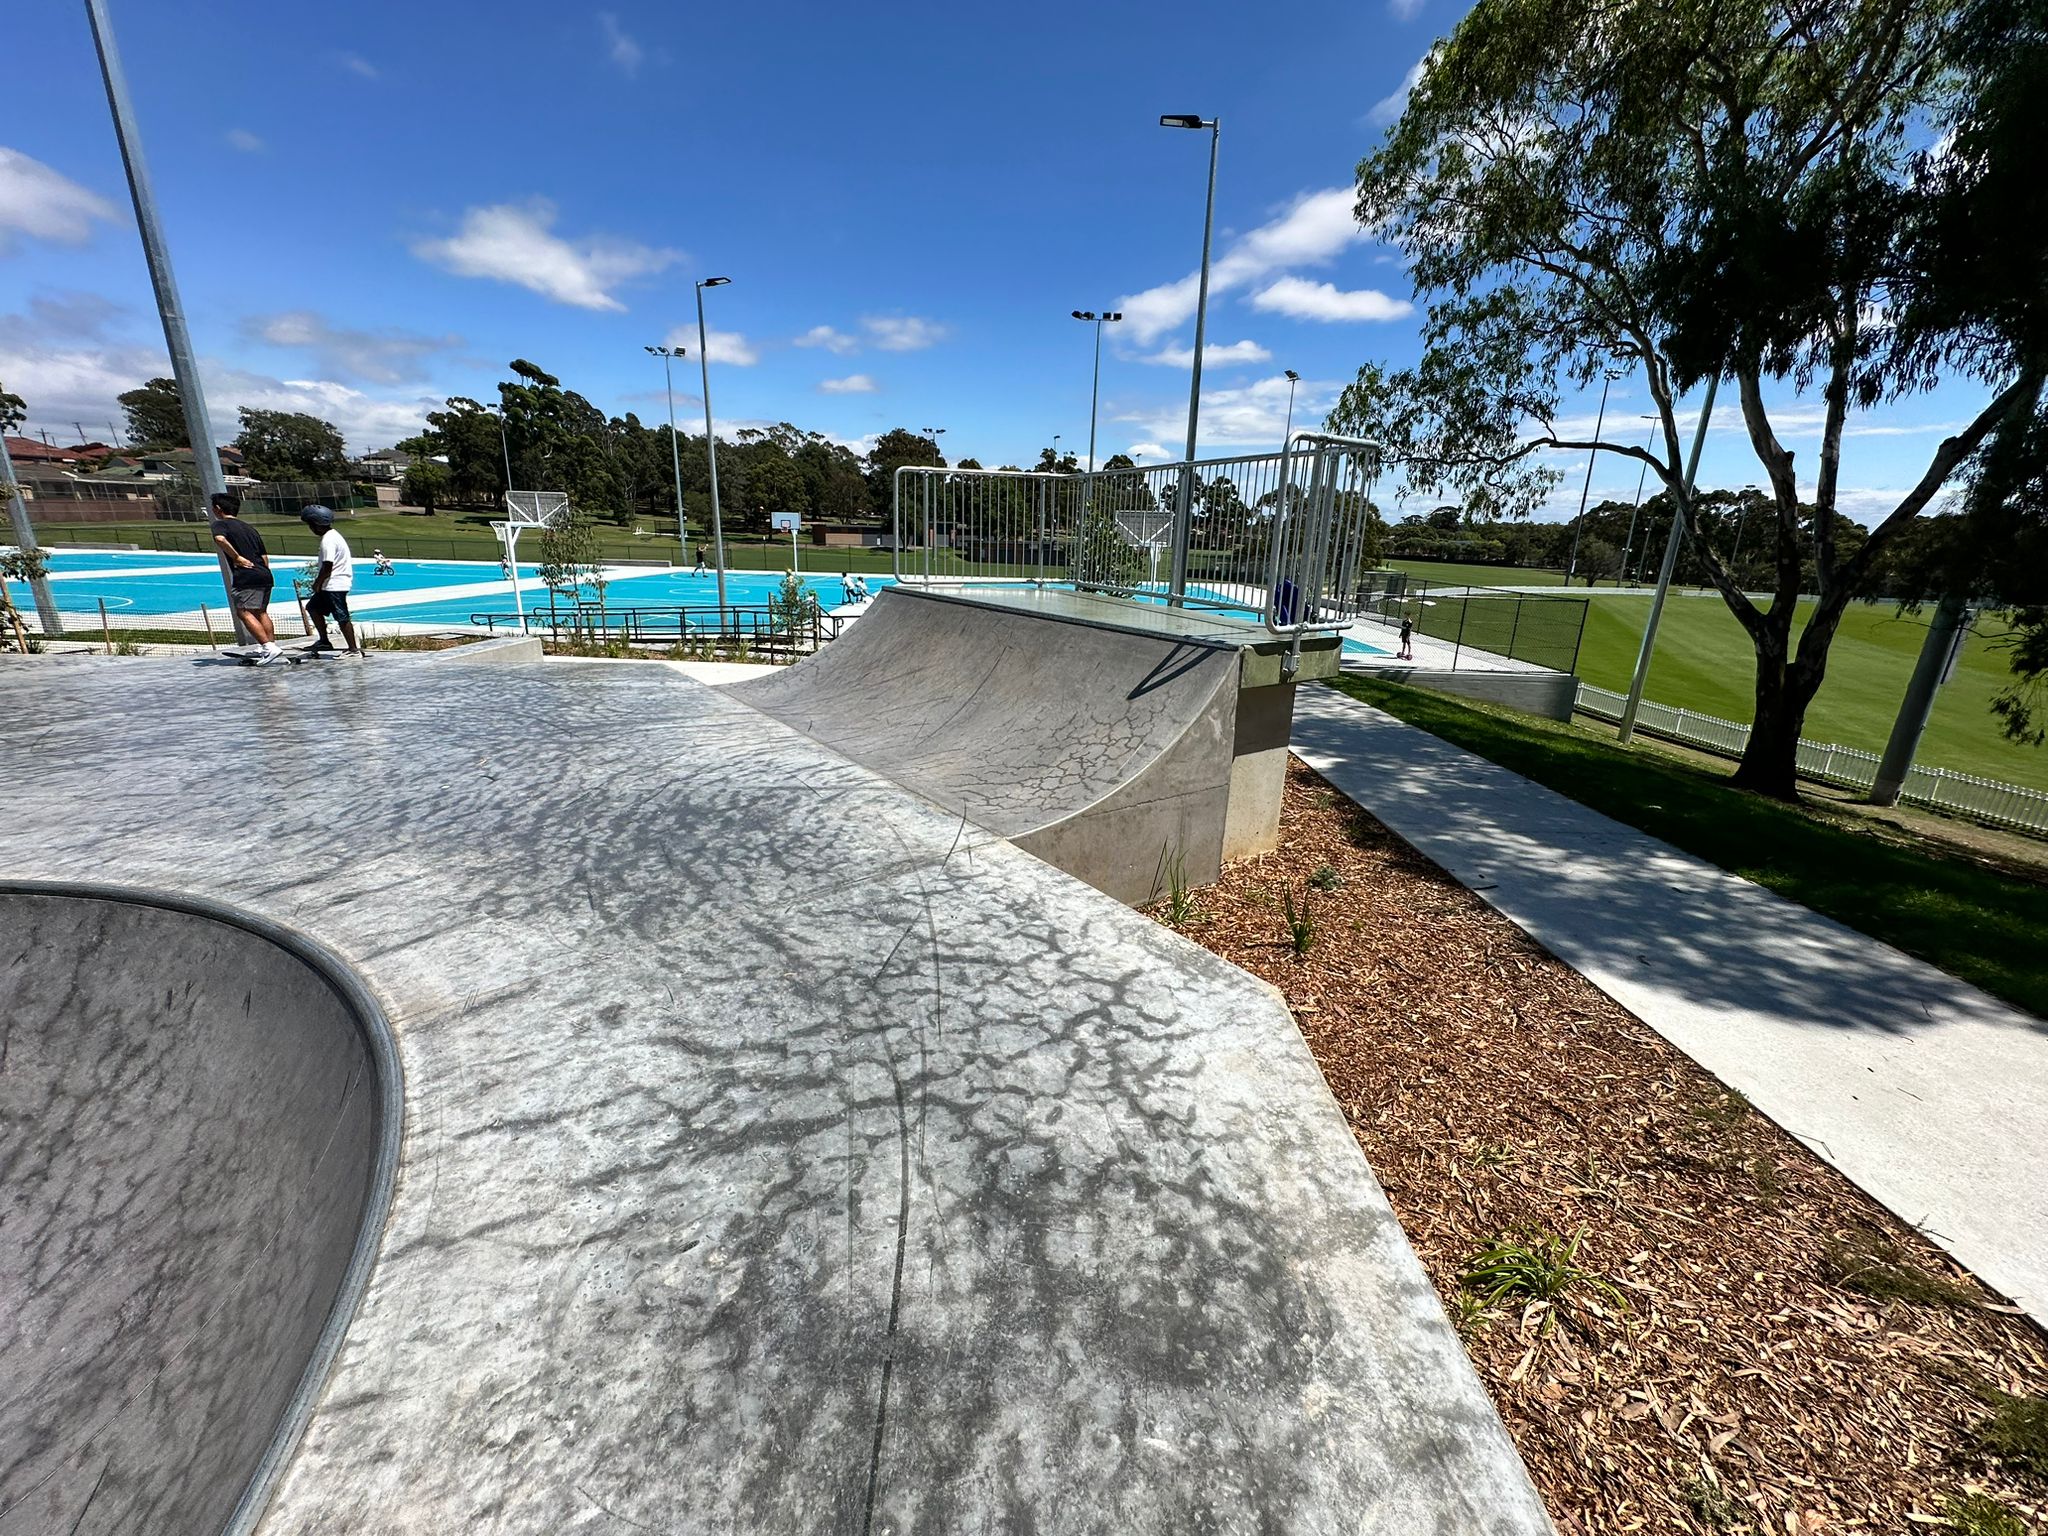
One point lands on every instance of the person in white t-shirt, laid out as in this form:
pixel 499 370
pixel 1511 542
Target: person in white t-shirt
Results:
pixel 331 583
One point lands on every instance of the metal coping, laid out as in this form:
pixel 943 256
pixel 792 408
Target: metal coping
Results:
pixel 361 1005
pixel 1221 633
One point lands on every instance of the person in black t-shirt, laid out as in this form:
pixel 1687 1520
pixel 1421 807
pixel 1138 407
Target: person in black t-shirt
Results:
pixel 248 573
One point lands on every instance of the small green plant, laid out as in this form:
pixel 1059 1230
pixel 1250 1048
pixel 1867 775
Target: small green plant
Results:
pixel 1979 1514
pixel 1180 901
pixel 1467 1312
pixel 1325 879
pixel 126 647
pixel 1301 923
pixel 1709 1503
pixel 1871 1264
pixel 1725 1111
pixel 2017 1431
pixel 1534 1266
pixel 1493 1154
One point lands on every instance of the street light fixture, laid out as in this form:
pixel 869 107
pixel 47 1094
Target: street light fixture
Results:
pixel 1107 317
pixel 1592 458
pixel 1628 544
pixel 1055 453
pixel 675 452
pixel 932 436
pixel 1184 516
pixel 711 445
pixel 1287 431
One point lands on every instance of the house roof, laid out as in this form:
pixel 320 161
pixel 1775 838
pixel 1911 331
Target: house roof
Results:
pixel 30 450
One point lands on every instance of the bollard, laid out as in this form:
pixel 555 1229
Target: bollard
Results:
pixel 207 619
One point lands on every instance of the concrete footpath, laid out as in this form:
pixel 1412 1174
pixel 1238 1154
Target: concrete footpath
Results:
pixel 1928 1093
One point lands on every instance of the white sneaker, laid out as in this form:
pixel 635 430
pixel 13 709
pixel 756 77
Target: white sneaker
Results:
pixel 271 658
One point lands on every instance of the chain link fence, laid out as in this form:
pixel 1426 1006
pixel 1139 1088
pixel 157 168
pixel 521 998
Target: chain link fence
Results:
pixel 1540 631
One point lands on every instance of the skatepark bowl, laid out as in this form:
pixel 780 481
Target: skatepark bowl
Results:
pixel 796 1133
pixel 197 1121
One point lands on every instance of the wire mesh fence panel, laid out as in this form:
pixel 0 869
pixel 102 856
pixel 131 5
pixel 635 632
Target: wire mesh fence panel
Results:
pixel 1943 789
pixel 1278 537
pixel 1540 631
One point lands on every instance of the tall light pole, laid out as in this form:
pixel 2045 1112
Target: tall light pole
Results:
pixel 1184 515
pixel 1579 522
pixel 1055 453
pixel 504 444
pixel 711 444
pixel 1642 476
pixel 1106 317
pixel 1679 506
pixel 184 366
pixel 1741 522
pixel 932 436
pixel 1287 431
pixel 675 452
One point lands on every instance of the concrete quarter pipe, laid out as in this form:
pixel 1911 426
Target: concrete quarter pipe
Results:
pixel 1102 750
pixel 197 1123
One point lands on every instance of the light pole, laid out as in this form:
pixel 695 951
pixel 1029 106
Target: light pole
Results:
pixel 1681 500
pixel 1642 476
pixel 1106 317
pixel 170 309
pixel 1579 522
pixel 504 444
pixel 932 436
pixel 1741 522
pixel 1184 516
pixel 1287 431
pixel 1055 453
pixel 675 452
pixel 711 445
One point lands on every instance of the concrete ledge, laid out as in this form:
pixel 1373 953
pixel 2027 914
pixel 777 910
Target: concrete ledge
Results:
pixel 1549 694
pixel 512 649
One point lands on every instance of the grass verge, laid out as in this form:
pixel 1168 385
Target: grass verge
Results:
pixel 1987 926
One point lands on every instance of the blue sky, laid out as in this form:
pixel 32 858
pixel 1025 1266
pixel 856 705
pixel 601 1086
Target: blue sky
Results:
pixel 372 207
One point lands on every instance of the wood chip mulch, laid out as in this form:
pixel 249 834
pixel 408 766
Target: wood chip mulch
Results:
pixel 1733 1374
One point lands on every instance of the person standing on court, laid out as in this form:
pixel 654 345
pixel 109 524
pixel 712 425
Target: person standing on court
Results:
pixel 332 583
pixel 249 577
pixel 1407 651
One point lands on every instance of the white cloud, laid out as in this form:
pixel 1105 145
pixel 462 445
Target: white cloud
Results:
pixel 1213 356
pixel 1153 451
pixel 1316 228
pixel 44 204
pixel 515 243
pixel 386 356
pixel 624 51
pixel 828 338
pixel 356 64
pixel 902 333
pixel 719 346
pixel 852 384
pixel 1254 413
pixel 247 142
pixel 1391 105
pixel 1303 300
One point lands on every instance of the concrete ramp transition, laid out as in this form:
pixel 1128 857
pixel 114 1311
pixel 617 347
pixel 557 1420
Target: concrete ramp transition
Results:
pixel 1108 737
pixel 195 1133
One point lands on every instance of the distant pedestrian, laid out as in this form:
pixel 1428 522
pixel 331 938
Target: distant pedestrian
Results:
pixel 380 563
pixel 331 582
pixel 249 575
pixel 1407 651
pixel 702 564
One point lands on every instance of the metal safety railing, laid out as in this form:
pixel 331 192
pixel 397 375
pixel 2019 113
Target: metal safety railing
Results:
pixel 1827 762
pixel 1278 538
pixel 762 626
pixel 1539 630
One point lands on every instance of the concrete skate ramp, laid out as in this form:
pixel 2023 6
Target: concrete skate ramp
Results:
pixel 196 1122
pixel 1097 749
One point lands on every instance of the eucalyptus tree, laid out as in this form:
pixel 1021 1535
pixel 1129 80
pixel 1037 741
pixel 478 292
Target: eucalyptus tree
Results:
pixel 1786 195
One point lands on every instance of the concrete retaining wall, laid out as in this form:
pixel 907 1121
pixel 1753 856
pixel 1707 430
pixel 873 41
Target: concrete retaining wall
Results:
pixel 197 1122
pixel 1550 694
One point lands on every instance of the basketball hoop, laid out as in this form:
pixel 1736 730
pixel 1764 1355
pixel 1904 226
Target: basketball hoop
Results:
pixel 524 510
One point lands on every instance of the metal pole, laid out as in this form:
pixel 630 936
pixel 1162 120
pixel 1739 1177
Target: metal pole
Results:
pixel 711 448
pixel 1680 505
pixel 675 454
pixel 1287 431
pixel 1937 651
pixel 184 367
pixel 1629 544
pixel 1184 519
pixel 1579 523
pixel 505 444
pixel 1094 394
pixel 25 538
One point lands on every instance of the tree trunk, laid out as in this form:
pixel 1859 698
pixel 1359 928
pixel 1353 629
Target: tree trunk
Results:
pixel 1770 763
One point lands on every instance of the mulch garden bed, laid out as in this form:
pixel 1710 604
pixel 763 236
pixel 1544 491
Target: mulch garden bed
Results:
pixel 1688 1321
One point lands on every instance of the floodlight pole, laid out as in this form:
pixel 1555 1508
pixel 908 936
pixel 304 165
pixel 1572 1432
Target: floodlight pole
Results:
pixel 184 367
pixel 1679 508
pixel 711 443
pixel 1105 317
pixel 1287 430
pixel 1571 568
pixel 25 540
pixel 1642 476
pixel 1184 515
pixel 675 451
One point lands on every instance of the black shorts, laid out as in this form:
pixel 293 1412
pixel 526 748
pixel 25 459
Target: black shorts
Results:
pixel 321 604
pixel 250 599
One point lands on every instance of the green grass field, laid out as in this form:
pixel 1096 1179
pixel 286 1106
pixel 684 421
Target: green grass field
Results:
pixel 1988 927
pixel 1478 575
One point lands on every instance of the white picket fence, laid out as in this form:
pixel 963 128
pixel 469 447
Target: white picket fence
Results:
pixel 2006 805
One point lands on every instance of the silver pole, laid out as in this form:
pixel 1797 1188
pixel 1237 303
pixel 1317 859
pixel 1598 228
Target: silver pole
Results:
pixel 184 367
pixel 1937 652
pixel 1183 530
pixel 711 448
pixel 675 454
pixel 25 537
pixel 1094 394
pixel 1579 523
pixel 1287 431
pixel 1680 506
pixel 1628 545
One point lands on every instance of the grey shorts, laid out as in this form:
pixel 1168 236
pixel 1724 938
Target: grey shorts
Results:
pixel 251 599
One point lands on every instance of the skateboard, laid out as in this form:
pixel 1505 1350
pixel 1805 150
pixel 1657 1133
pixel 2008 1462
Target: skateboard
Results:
pixel 292 658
